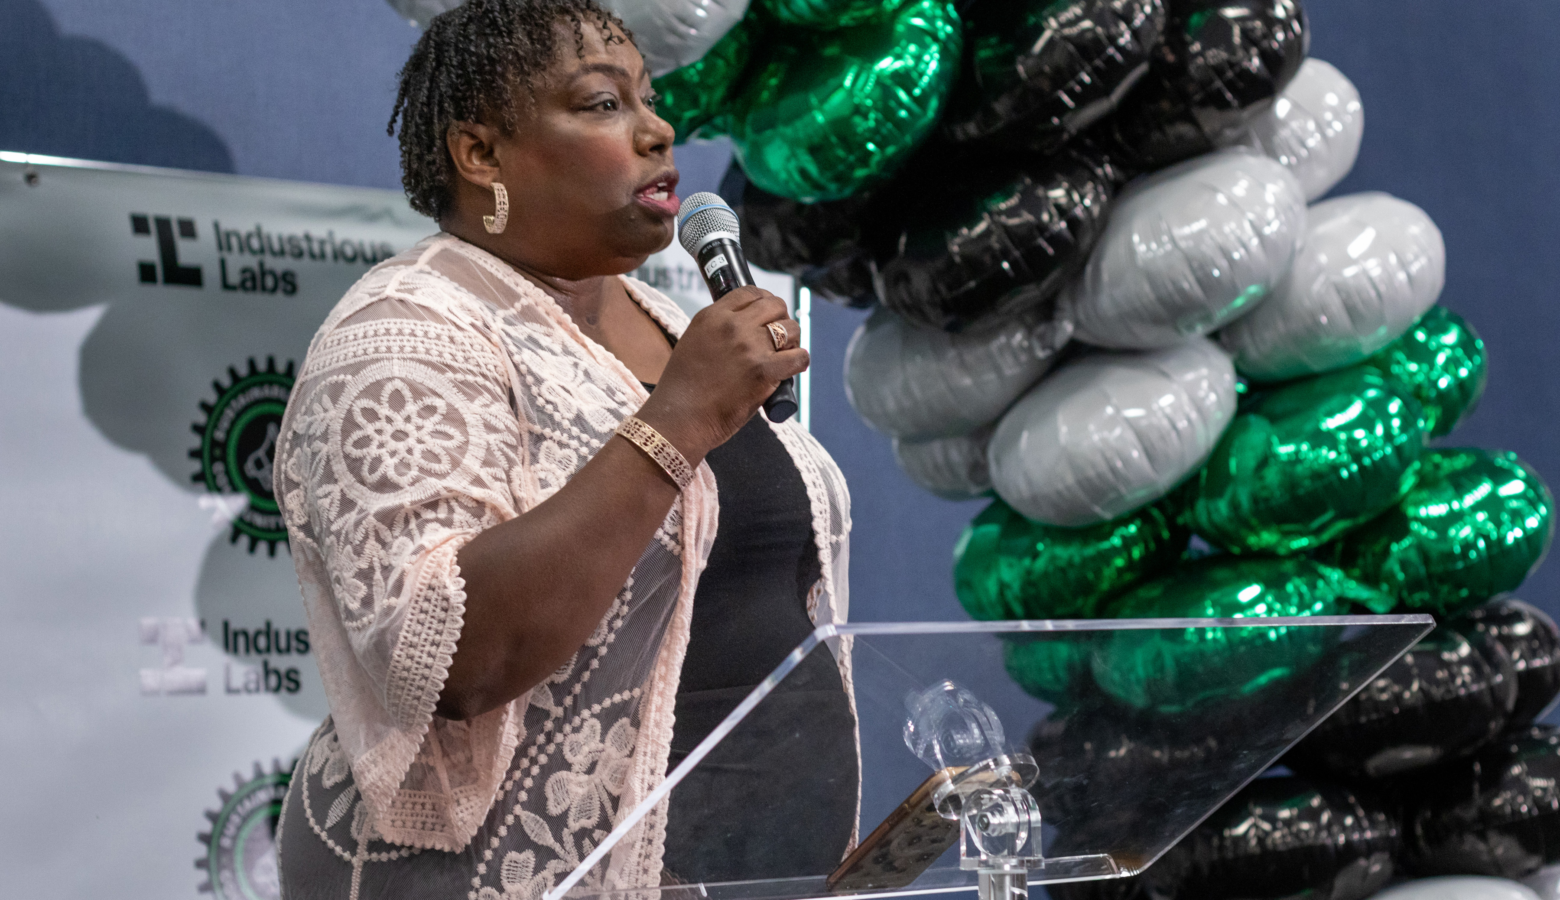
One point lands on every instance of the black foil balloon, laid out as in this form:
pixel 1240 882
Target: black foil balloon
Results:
pixel 1221 62
pixel 850 280
pixel 1533 641
pixel 1037 73
pixel 785 235
pixel 1446 697
pixel 1279 838
pixel 1005 241
pixel 1101 744
pixel 1158 766
pixel 823 245
pixel 1152 762
pixel 1106 889
pixel 1496 814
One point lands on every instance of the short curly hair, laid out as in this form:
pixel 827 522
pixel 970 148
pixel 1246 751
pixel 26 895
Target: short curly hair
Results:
pixel 470 66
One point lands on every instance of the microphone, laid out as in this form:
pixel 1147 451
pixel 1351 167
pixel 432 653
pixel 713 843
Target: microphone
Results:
pixel 708 230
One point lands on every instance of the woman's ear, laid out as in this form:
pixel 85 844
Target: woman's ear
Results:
pixel 473 148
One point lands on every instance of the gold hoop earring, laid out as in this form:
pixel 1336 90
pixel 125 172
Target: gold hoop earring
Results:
pixel 500 217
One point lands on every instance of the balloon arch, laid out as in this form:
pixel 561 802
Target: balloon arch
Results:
pixel 1108 293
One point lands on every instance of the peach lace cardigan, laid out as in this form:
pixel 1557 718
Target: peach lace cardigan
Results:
pixel 443 395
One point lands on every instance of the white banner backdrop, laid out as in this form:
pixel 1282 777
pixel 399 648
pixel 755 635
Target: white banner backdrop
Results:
pixel 156 680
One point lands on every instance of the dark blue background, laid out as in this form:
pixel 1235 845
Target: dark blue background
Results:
pixel 1460 119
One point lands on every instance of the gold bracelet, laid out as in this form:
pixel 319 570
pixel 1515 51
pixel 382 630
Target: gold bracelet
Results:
pixel 659 449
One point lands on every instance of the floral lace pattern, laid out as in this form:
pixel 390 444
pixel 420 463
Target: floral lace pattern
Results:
pixel 443 396
pixel 402 437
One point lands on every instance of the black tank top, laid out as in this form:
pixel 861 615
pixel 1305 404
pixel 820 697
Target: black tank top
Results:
pixel 777 797
pixel 753 592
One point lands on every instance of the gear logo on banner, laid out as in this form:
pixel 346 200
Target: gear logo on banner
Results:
pixel 240 849
pixel 238 444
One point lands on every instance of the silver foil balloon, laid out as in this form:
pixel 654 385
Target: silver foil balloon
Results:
pixel 673 33
pixel 1458 887
pixel 953 468
pixel 914 382
pixel 421 12
pixel 1314 127
pixel 1370 267
pixel 1545 882
pixel 1111 432
pixel 1187 250
pixel 670 33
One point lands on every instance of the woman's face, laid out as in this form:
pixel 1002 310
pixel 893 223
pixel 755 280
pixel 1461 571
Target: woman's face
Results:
pixel 592 188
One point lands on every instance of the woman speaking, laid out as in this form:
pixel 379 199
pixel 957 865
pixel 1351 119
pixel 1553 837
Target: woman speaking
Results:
pixel 544 542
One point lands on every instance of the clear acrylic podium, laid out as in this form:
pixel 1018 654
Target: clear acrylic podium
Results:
pixel 1038 752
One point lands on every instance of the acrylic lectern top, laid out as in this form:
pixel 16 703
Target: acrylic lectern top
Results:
pixel 1083 748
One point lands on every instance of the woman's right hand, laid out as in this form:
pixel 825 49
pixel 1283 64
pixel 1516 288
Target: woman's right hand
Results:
pixel 723 368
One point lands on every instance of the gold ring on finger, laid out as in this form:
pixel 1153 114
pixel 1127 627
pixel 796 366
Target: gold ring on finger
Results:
pixel 778 334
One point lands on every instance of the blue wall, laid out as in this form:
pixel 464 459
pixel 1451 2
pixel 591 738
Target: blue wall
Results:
pixel 1460 110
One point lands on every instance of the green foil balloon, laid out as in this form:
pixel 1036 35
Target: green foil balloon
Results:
pixel 1053 666
pixel 1174 670
pixel 828 114
pixel 693 98
pixel 1476 523
pixel 1306 462
pixel 1442 363
pixel 1007 567
pixel 830 14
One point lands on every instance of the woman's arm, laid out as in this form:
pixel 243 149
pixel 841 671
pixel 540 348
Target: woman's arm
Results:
pixel 538 585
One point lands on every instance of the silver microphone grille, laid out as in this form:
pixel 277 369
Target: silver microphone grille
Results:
pixel 704 216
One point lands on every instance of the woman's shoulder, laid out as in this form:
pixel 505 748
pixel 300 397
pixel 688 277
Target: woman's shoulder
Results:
pixel 442 280
pixel 406 305
pixel 421 274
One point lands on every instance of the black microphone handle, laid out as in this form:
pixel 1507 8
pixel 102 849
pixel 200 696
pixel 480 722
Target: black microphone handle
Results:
pixel 782 404
pixel 725 269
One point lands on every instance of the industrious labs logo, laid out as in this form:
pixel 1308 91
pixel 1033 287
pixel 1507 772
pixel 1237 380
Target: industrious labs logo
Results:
pixel 239 852
pixel 237 449
pixel 259 256
pixel 275 647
